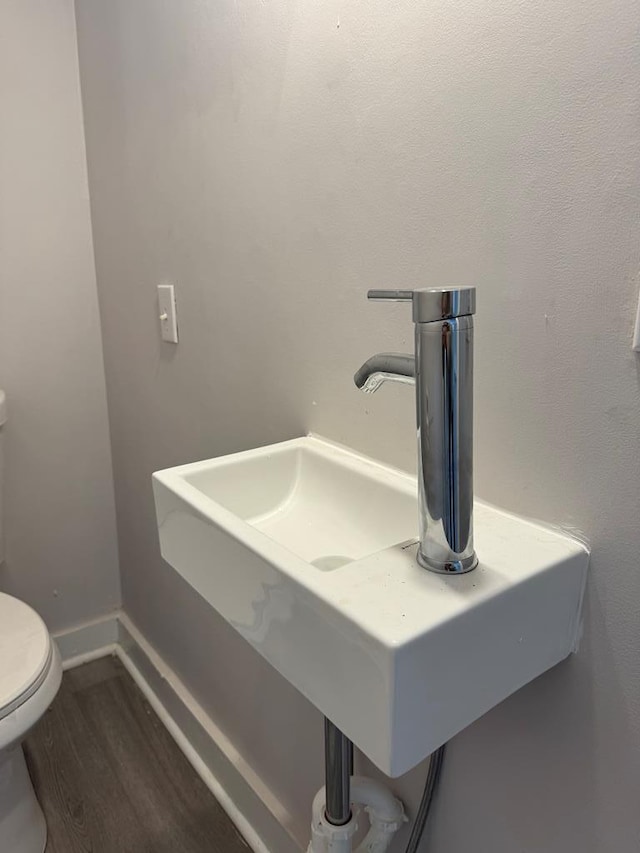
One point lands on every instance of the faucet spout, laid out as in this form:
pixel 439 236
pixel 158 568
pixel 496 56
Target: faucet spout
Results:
pixel 385 367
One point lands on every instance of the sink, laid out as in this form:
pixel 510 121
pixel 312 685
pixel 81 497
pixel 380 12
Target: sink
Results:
pixel 308 550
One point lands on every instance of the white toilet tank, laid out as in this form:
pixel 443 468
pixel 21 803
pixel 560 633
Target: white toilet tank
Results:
pixel 3 419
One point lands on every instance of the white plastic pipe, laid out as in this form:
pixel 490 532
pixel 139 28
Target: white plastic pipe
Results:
pixel 386 813
pixel 386 816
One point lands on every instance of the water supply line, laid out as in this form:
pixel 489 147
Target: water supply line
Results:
pixel 338 805
pixel 431 785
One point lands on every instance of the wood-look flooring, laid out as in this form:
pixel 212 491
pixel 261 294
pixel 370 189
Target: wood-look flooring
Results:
pixel 110 778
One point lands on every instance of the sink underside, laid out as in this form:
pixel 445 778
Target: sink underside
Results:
pixel 308 550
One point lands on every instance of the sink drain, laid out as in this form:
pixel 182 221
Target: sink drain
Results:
pixel 331 562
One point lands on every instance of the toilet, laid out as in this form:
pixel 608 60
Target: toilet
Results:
pixel 30 675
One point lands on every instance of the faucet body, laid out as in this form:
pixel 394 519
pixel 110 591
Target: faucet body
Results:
pixel 442 368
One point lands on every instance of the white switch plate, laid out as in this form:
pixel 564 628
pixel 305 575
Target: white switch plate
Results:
pixel 168 318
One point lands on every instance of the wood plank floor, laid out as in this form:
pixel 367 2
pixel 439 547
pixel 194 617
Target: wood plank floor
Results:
pixel 110 778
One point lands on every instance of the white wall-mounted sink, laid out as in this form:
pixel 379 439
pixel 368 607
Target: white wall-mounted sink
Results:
pixel 308 550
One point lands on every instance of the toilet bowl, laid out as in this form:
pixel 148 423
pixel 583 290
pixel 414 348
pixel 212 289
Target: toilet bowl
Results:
pixel 30 675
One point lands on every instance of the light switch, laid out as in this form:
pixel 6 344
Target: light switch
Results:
pixel 167 310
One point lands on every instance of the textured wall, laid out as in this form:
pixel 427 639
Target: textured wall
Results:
pixel 61 544
pixel 276 159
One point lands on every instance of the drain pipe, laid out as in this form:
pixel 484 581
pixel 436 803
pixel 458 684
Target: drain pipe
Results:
pixel 338 769
pixel 334 821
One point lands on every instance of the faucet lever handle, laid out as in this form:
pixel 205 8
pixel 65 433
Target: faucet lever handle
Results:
pixel 392 295
pixel 431 304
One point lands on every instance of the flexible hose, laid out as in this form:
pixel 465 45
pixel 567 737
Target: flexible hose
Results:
pixel 430 786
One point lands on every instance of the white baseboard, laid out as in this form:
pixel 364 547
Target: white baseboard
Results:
pixel 261 818
pixel 89 641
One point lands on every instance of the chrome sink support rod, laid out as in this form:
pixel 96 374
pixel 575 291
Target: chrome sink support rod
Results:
pixel 338 763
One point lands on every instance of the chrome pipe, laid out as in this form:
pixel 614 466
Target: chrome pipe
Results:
pixel 338 759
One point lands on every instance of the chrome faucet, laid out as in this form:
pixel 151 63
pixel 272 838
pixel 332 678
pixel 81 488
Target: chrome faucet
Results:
pixel 442 370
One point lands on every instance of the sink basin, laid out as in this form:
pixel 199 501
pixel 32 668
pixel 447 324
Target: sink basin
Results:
pixel 323 505
pixel 308 550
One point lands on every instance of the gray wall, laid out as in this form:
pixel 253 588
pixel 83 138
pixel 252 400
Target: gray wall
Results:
pixel 61 546
pixel 276 159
